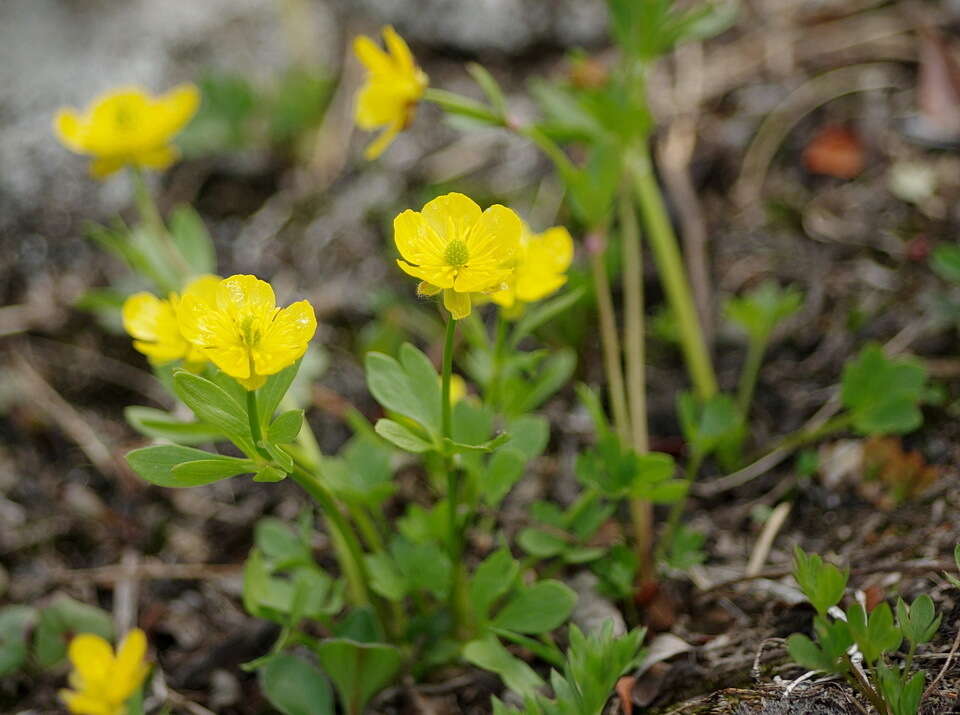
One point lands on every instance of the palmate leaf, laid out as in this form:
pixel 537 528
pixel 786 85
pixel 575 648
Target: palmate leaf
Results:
pixel 883 394
pixel 410 386
pixel 358 670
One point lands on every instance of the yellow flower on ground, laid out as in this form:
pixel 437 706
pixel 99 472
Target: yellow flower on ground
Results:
pixel 102 681
pixel 241 330
pixel 541 268
pixel 128 127
pixel 454 247
pixel 394 85
pixel 153 324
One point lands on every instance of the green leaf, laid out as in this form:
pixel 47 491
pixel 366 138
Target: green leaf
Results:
pixel 876 634
pixel 157 464
pixel 488 653
pixel 707 425
pixel 15 624
pixel 401 436
pixel 358 670
pixel 954 581
pixel 283 546
pixel 945 261
pixel 529 434
pixel 544 312
pixel 760 311
pixel 806 653
pixel 205 471
pixel 494 577
pixel 212 404
pixel 919 621
pixel 191 237
pixel 551 375
pixel 162 425
pixel 503 470
pixel 273 390
pixel 410 387
pixel 461 106
pixel 883 394
pixel 542 544
pixel 489 86
pixel 62 619
pixel 538 608
pixel 270 474
pixel 823 584
pixel 286 427
pixel 385 577
pixel 294 687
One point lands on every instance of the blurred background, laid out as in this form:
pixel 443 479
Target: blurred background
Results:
pixel 814 141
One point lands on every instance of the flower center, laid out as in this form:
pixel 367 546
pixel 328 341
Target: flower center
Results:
pixel 124 118
pixel 457 253
pixel 249 331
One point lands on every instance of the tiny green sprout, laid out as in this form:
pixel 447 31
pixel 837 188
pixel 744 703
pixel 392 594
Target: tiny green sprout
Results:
pixel 828 655
pixel 954 581
pixel 823 584
pixel 875 634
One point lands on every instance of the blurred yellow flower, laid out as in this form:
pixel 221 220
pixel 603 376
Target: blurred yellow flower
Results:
pixel 394 85
pixel 241 330
pixel 452 246
pixel 541 266
pixel 102 682
pixel 153 324
pixel 128 127
pixel 458 389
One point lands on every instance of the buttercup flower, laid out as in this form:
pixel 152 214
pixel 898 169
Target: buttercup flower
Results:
pixel 153 324
pixel 241 330
pixel 541 266
pixel 452 246
pixel 394 85
pixel 128 127
pixel 102 682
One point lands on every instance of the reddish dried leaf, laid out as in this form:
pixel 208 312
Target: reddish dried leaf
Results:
pixel 874 596
pixel 624 692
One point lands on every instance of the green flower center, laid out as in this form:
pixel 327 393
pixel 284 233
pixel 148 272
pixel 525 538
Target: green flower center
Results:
pixel 457 253
pixel 249 331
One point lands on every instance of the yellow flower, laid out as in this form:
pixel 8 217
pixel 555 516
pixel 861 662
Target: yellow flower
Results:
pixel 241 330
pixel 102 682
pixel 394 86
pixel 541 266
pixel 128 127
pixel 454 247
pixel 458 389
pixel 153 324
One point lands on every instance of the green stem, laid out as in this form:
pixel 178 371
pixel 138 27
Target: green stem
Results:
pixel 663 241
pixel 458 592
pixel 641 510
pixel 678 507
pixel 610 341
pixel 150 216
pixel 804 437
pixel 749 375
pixel 499 340
pixel 345 541
pixel 253 418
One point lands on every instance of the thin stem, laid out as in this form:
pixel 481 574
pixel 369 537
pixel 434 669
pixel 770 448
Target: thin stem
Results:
pixel 150 216
pixel 750 373
pixel 253 418
pixel 678 507
pixel 663 241
pixel 610 340
pixel 345 541
pixel 458 593
pixel 641 510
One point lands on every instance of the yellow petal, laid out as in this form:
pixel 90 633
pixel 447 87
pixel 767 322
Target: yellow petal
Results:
pixel 417 241
pixel 232 359
pixel 253 383
pixel 83 704
pixel 91 657
pixel 153 324
pixel 427 289
pixel 472 280
pixel 380 144
pixel 371 56
pixel 129 669
pixel 102 167
pixel 286 339
pixel 204 288
pixel 245 293
pixel 452 216
pixel 158 159
pixel 68 127
pixel 399 50
pixel 440 276
pixel 457 303
pixel 494 238
pixel 178 106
